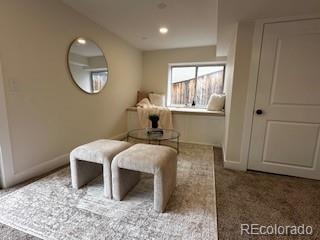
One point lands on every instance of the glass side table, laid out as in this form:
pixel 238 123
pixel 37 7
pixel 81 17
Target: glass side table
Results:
pixel 168 135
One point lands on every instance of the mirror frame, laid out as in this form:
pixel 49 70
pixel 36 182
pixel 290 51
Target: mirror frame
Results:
pixel 69 70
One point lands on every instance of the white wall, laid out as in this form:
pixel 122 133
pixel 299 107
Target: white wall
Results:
pixel 239 60
pixel 193 128
pixel 5 145
pixel 155 64
pixel 48 114
pixel 228 83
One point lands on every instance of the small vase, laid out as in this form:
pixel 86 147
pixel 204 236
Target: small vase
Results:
pixel 154 123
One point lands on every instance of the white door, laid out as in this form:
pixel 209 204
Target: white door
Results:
pixel 285 133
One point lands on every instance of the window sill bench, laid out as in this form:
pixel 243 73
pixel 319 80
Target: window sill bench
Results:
pixel 194 111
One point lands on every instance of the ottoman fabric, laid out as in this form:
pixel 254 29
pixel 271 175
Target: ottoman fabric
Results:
pixel 99 150
pixel 158 160
pixel 145 157
pixel 89 160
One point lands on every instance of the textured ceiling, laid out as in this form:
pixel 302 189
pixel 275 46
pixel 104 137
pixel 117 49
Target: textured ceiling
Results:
pixel 190 22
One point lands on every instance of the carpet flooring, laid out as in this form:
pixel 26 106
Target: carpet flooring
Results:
pixel 265 199
pixel 50 209
pixel 247 197
pixel 9 233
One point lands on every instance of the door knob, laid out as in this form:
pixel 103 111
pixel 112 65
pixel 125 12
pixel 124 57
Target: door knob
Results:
pixel 259 112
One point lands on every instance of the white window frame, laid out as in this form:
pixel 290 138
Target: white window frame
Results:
pixel 193 64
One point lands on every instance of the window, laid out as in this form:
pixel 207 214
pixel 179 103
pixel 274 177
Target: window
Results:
pixel 194 83
pixel 98 80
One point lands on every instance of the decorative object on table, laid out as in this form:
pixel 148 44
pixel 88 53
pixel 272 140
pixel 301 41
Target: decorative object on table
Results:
pixel 154 120
pixel 145 110
pixel 193 103
pixel 168 135
pixel 216 102
pixel 155 131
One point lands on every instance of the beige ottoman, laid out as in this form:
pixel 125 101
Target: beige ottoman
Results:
pixel 158 160
pixel 90 160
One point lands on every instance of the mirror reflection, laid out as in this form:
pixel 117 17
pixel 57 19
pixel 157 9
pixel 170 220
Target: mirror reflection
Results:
pixel 88 65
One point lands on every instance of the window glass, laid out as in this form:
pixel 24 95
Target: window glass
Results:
pixel 182 85
pixel 195 84
pixel 180 74
pixel 98 80
pixel 209 81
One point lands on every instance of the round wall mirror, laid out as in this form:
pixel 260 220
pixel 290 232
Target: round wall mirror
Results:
pixel 88 65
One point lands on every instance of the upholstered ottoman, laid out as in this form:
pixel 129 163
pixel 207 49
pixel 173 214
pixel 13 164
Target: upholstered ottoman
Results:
pixel 90 160
pixel 158 160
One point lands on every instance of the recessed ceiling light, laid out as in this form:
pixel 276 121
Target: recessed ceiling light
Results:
pixel 162 5
pixel 163 30
pixel 81 41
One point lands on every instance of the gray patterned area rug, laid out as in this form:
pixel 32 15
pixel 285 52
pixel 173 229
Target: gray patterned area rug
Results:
pixel 50 209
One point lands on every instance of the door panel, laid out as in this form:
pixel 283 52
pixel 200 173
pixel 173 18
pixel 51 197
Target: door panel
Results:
pixel 284 141
pixel 285 138
pixel 298 51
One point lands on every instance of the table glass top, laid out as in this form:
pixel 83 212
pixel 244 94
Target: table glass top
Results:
pixel 143 134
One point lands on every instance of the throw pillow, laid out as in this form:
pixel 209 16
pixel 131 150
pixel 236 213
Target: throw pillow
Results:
pixel 216 102
pixel 141 95
pixel 157 99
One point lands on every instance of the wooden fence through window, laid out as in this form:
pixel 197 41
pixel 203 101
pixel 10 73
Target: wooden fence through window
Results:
pixel 185 92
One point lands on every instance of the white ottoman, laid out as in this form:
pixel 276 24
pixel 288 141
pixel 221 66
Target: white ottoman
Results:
pixel 158 160
pixel 89 160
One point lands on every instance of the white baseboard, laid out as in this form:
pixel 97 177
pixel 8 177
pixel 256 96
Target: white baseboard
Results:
pixel 201 143
pixel 57 162
pixel 234 165
pixel 120 136
pixel 45 167
pixel 37 170
pixel 231 164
